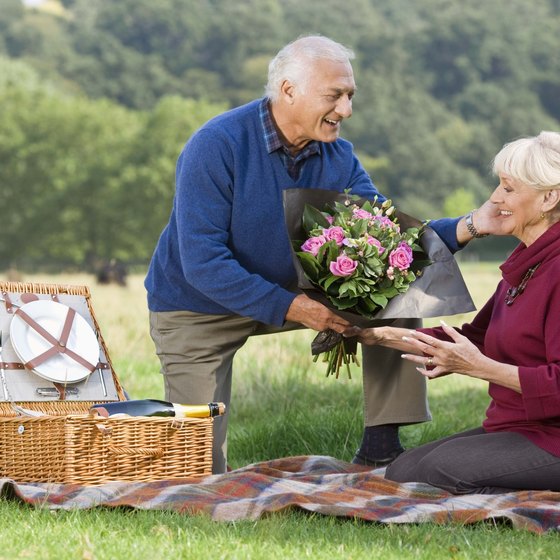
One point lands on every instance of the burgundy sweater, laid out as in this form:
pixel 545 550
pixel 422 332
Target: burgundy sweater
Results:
pixel 526 334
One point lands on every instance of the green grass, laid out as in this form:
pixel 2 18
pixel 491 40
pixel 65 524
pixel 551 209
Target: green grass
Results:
pixel 139 535
pixel 282 405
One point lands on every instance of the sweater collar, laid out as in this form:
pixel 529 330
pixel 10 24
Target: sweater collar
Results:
pixel 522 258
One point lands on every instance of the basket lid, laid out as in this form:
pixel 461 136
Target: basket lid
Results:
pixel 60 314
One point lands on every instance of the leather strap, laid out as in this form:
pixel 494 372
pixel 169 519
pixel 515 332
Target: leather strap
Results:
pixel 61 391
pixel 19 365
pixel 67 327
pixel 25 298
pixel 11 365
pixel 28 298
pixel 8 302
pixel 58 346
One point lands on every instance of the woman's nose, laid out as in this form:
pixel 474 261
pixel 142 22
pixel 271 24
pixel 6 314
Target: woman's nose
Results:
pixel 494 197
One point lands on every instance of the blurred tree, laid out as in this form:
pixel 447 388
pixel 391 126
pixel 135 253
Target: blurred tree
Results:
pixel 11 11
pixel 61 164
pixel 459 202
pixel 147 178
pixel 441 87
pixel 81 180
pixel 174 30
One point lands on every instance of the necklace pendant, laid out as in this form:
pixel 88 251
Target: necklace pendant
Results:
pixel 513 292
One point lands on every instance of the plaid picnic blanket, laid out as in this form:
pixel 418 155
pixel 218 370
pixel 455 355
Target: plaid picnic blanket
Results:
pixel 318 484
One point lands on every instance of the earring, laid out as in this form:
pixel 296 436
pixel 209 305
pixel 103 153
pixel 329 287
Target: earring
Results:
pixel 542 216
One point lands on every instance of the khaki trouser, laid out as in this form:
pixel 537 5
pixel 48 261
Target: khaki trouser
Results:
pixel 196 352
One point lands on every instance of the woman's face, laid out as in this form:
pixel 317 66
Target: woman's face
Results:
pixel 520 209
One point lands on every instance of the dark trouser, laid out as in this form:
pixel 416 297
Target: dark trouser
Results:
pixel 476 462
pixel 196 352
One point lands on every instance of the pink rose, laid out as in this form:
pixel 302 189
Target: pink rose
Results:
pixel 401 257
pixel 375 242
pixel 343 266
pixel 362 214
pixel 313 244
pixel 336 233
pixel 385 222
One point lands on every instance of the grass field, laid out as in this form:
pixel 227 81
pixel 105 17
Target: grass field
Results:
pixel 283 405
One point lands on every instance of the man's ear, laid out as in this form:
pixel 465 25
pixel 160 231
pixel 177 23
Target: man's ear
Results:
pixel 288 90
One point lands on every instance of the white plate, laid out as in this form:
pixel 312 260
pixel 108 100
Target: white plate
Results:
pixel 29 344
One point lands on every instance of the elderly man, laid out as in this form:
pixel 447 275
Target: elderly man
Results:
pixel 215 279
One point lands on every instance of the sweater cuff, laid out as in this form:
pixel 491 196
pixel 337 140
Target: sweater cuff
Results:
pixel 277 309
pixel 446 228
pixel 536 402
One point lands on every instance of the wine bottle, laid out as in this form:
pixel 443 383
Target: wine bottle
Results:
pixel 153 407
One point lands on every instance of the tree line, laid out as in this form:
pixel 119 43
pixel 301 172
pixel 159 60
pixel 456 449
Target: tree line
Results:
pixel 97 98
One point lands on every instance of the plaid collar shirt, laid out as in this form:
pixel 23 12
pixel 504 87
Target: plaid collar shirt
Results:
pixel 292 163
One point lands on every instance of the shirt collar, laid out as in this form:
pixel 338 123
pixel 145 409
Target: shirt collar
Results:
pixel 272 138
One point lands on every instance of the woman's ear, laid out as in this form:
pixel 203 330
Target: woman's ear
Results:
pixel 551 200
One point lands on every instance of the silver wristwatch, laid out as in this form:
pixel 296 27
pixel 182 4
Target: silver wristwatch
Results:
pixel 470 226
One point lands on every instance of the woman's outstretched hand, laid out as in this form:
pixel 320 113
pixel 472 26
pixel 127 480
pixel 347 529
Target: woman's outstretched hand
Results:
pixel 438 357
pixel 369 337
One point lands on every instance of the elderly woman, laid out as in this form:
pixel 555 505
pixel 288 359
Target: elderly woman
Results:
pixel 513 343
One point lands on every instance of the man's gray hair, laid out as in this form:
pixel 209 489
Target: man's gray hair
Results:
pixel 534 160
pixel 293 61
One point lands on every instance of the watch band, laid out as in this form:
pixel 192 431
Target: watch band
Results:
pixel 470 226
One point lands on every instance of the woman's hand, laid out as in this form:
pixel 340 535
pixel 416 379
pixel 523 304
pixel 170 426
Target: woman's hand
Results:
pixel 438 357
pixel 391 337
pixel 487 219
pixel 369 337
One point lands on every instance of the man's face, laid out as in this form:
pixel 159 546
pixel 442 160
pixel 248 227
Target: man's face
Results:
pixel 324 101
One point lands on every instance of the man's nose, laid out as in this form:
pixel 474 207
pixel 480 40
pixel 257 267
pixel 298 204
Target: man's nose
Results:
pixel 344 107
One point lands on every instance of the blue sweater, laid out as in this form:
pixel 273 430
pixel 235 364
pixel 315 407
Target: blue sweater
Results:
pixel 225 249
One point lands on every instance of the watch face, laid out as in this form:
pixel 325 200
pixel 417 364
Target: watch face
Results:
pixel 470 226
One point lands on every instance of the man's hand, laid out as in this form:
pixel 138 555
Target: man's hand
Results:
pixel 315 315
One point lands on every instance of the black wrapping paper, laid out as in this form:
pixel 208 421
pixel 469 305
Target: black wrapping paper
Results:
pixel 439 291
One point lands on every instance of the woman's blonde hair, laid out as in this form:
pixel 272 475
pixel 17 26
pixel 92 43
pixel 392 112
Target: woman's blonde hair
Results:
pixel 535 160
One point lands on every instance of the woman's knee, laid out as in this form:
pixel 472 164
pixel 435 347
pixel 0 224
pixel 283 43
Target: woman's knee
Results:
pixel 439 468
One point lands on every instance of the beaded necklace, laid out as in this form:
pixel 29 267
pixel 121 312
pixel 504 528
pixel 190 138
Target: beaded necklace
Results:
pixel 516 291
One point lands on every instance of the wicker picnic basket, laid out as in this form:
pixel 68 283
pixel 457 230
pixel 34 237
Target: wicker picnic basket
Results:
pixel 66 444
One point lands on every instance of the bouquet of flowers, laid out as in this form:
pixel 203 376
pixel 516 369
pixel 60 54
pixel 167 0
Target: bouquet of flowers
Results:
pixel 356 254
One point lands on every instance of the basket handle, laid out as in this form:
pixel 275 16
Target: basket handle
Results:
pixel 139 451
pixel 134 451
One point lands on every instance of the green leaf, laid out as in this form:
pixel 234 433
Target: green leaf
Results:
pixel 391 292
pixel 379 300
pixel 329 281
pixel 369 305
pixel 359 228
pixel 310 265
pixel 313 218
pixel 348 286
pixel 410 277
pixel 333 251
pixel 345 303
pixel 368 207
